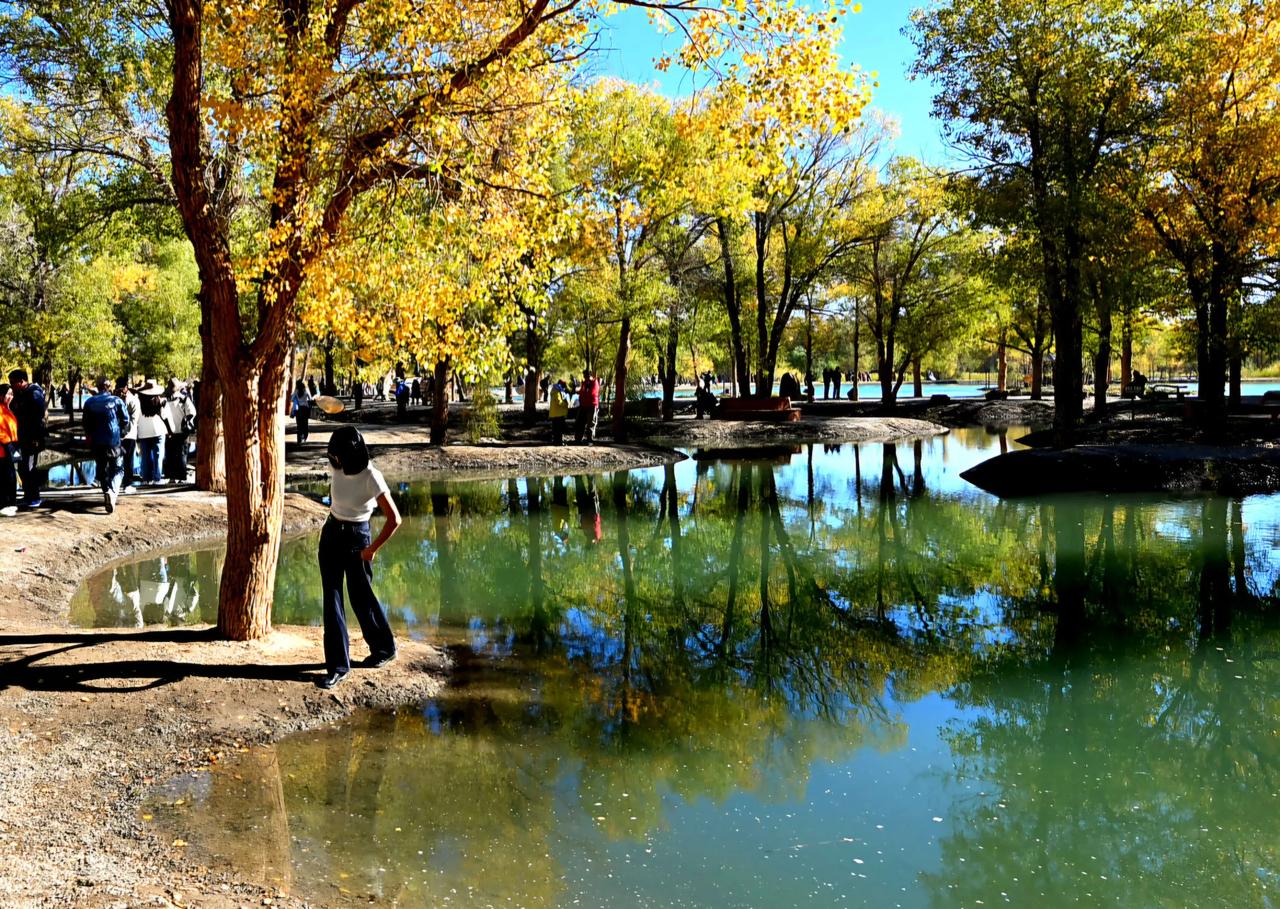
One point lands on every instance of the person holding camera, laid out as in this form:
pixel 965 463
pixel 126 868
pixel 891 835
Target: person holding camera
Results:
pixel 347 551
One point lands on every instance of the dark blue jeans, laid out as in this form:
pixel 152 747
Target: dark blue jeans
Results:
pixel 149 450
pixel 130 446
pixel 340 545
pixel 32 476
pixel 110 461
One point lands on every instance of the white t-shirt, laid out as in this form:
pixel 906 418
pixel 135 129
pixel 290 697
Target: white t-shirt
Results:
pixel 354 497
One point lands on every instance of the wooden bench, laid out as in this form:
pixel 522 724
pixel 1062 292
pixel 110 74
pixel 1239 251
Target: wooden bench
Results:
pixel 1271 402
pixel 1163 390
pixel 769 410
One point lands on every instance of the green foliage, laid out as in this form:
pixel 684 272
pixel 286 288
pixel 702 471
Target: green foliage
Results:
pixel 480 420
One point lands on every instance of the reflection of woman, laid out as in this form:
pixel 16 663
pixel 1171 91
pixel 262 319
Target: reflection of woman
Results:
pixel 347 550
pixel 588 502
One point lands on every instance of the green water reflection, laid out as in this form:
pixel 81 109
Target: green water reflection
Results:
pixel 838 678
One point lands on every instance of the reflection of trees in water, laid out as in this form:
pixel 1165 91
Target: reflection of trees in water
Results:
pixel 1133 759
pixel 724 637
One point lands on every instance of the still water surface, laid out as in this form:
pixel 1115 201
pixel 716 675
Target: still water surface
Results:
pixel 836 677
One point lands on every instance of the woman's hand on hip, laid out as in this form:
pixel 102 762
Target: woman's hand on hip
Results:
pixel 368 553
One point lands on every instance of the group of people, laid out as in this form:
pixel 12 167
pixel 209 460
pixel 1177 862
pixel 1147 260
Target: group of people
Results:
pixel 148 424
pixel 834 376
pixel 588 408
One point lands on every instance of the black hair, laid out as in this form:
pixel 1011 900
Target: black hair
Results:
pixel 348 450
pixel 4 390
pixel 150 405
pixel 17 375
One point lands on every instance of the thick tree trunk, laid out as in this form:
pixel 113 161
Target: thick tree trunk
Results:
pixel 917 385
pixel 255 500
pixel 620 381
pixel 1002 364
pixel 1037 374
pixel 669 378
pixel 440 403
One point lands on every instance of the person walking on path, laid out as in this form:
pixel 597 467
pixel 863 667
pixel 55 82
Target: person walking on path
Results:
pixel 8 454
pixel 180 421
pixel 31 410
pixel 151 431
pixel 129 441
pixel 559 411
pixel 588 408
pixel 347 550
pixel 106 422
pixel 303 401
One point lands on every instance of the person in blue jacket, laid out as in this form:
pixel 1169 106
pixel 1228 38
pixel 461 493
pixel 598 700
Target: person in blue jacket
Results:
pixel 106 423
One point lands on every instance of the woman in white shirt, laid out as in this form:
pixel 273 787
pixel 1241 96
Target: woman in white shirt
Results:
pixel 347 550
pixel 151 431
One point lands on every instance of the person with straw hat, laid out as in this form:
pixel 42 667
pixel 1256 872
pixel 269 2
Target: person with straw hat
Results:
pixel 151 430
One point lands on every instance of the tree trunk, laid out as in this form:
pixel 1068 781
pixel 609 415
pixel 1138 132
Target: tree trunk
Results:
pixel 764 374
pixel 1126 348
pixel 857 333
pixel 1002 364
pixel 330 387
pixel 917 386
pixel 74 378
pixel 440 403
pixel 669 378
pixel 1037 374
pixel 1102 360
pixel 255 499
pixel 211 470
pixel 742 375
pixel 888 393
pixel 42 375
pixel 620 381
pixel 1068 377
pixel 532 353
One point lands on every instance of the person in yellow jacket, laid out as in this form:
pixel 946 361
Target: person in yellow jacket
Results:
pixel 559 411
pixel 8 454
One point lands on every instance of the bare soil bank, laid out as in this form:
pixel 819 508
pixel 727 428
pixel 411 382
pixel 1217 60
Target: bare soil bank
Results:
pixel 693 433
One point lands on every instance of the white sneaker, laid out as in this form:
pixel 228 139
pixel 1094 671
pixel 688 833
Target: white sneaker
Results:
pixel 9 511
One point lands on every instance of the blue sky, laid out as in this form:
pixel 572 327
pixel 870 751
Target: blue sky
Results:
pixel 873 39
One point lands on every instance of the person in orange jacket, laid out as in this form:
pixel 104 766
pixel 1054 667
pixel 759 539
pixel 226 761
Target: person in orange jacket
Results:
pixel 8 459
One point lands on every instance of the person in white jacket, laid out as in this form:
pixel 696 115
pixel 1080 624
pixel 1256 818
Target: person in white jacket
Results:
pixel 130 441
pixel 151 431
pixel 180 421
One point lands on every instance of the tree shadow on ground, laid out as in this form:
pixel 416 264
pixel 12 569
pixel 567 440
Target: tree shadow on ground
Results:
pixel 29 669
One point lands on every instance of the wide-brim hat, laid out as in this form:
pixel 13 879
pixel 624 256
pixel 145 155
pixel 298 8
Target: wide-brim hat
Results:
pixel 330 404
pixel 151 388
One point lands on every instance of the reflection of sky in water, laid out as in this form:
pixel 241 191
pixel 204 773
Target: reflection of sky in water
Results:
pixel 995 744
